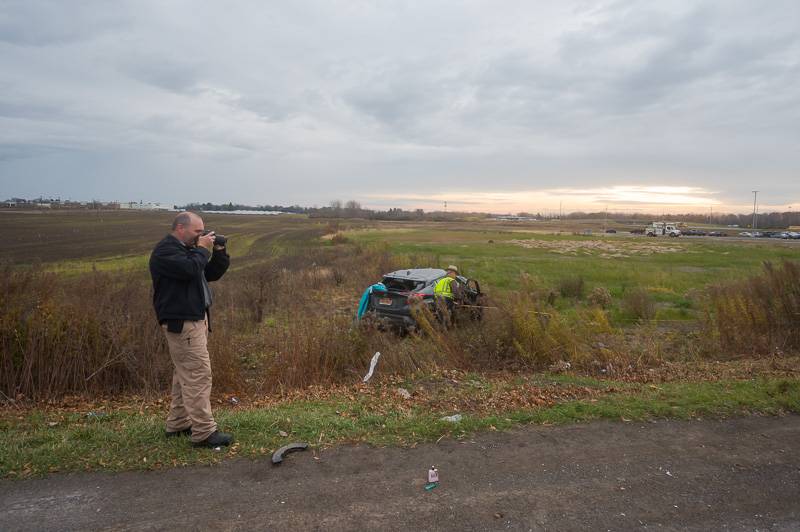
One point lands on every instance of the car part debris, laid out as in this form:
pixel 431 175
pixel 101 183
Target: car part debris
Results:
pixel 277 456
pixel 372 364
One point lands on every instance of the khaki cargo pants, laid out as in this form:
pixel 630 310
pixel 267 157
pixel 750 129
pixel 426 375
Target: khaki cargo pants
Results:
pixel 191 381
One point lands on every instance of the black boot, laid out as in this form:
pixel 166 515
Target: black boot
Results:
pixel 217 439
pixel 175 434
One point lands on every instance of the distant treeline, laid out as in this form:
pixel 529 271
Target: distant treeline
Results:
pixel 353 209
pixel 296 209
pixel 336 209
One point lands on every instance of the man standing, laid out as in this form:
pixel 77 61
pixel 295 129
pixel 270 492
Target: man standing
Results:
pixel 181 266
pixel 446 291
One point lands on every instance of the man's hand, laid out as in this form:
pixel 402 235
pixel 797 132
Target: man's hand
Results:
pixel 206 241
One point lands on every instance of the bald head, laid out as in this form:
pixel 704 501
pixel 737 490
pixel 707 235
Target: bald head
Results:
pixel 186 227
pixel 184 218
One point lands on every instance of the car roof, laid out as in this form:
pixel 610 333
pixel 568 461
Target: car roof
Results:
pixel 417 274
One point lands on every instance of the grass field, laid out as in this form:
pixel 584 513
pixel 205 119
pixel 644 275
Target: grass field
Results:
pixel 490 252
pixel 78 241
pixel 630 261
pixel 78 335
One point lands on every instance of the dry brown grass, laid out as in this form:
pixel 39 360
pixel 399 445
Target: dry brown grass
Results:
pixel 58 336
pixel 756 316
pixel 280 322
pixel 285 322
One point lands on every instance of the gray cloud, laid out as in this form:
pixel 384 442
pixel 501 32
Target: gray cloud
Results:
pixel 164 73
pixel 12 151
pixel 304 102
pixel 46 23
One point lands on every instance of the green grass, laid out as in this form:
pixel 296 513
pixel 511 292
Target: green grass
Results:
pixel 668 277
pixel 499 265
pixel 39 442
pixel 75 243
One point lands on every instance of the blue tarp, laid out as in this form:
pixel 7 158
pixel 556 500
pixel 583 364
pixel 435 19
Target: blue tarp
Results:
pixel 363 305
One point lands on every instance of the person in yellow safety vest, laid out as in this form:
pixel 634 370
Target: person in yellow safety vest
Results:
pixel 446 291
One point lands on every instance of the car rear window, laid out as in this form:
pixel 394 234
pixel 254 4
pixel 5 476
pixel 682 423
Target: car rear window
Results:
pixel 406 285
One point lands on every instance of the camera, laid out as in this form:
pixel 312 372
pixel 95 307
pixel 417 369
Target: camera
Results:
pixel 219 240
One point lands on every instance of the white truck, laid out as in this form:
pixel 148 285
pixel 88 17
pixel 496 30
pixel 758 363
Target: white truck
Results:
pixel 663 229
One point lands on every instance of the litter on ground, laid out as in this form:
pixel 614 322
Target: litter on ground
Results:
pixel 372 364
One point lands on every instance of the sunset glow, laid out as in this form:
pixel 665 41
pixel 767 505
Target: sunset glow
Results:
pixel 622 198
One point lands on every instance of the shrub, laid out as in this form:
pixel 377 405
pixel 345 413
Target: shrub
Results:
pixel 758 315
pixel 571 287
pixel 600 297
pixel 637 303
pixel 95 335
pixel 339 238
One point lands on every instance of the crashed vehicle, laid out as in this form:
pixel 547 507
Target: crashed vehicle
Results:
pixel 407 288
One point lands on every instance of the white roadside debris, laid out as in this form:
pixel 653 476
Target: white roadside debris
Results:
pixel 372 364
pixel 455 418
pixel 405 394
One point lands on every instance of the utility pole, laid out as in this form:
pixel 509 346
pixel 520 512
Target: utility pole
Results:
pixel 605 220
pixel 755 196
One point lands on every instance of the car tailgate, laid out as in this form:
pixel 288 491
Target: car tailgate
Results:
pixel 390 301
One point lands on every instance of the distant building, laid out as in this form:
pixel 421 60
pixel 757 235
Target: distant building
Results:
pixel 150 206
pixel 514 218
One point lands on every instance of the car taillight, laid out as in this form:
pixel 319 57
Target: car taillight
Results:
pixel 415 298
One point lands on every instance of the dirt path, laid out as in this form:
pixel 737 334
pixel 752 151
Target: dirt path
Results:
pixel 740 474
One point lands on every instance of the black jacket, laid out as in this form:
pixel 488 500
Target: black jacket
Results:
pixel 177 273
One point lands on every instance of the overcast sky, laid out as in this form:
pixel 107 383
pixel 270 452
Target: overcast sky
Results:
pixel 500 106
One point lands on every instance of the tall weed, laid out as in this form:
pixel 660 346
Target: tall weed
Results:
pixel 756 316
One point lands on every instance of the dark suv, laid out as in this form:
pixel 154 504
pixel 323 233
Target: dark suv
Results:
pixel 408 287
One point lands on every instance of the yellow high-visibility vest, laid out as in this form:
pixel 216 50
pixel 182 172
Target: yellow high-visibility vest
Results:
pixel 443 287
